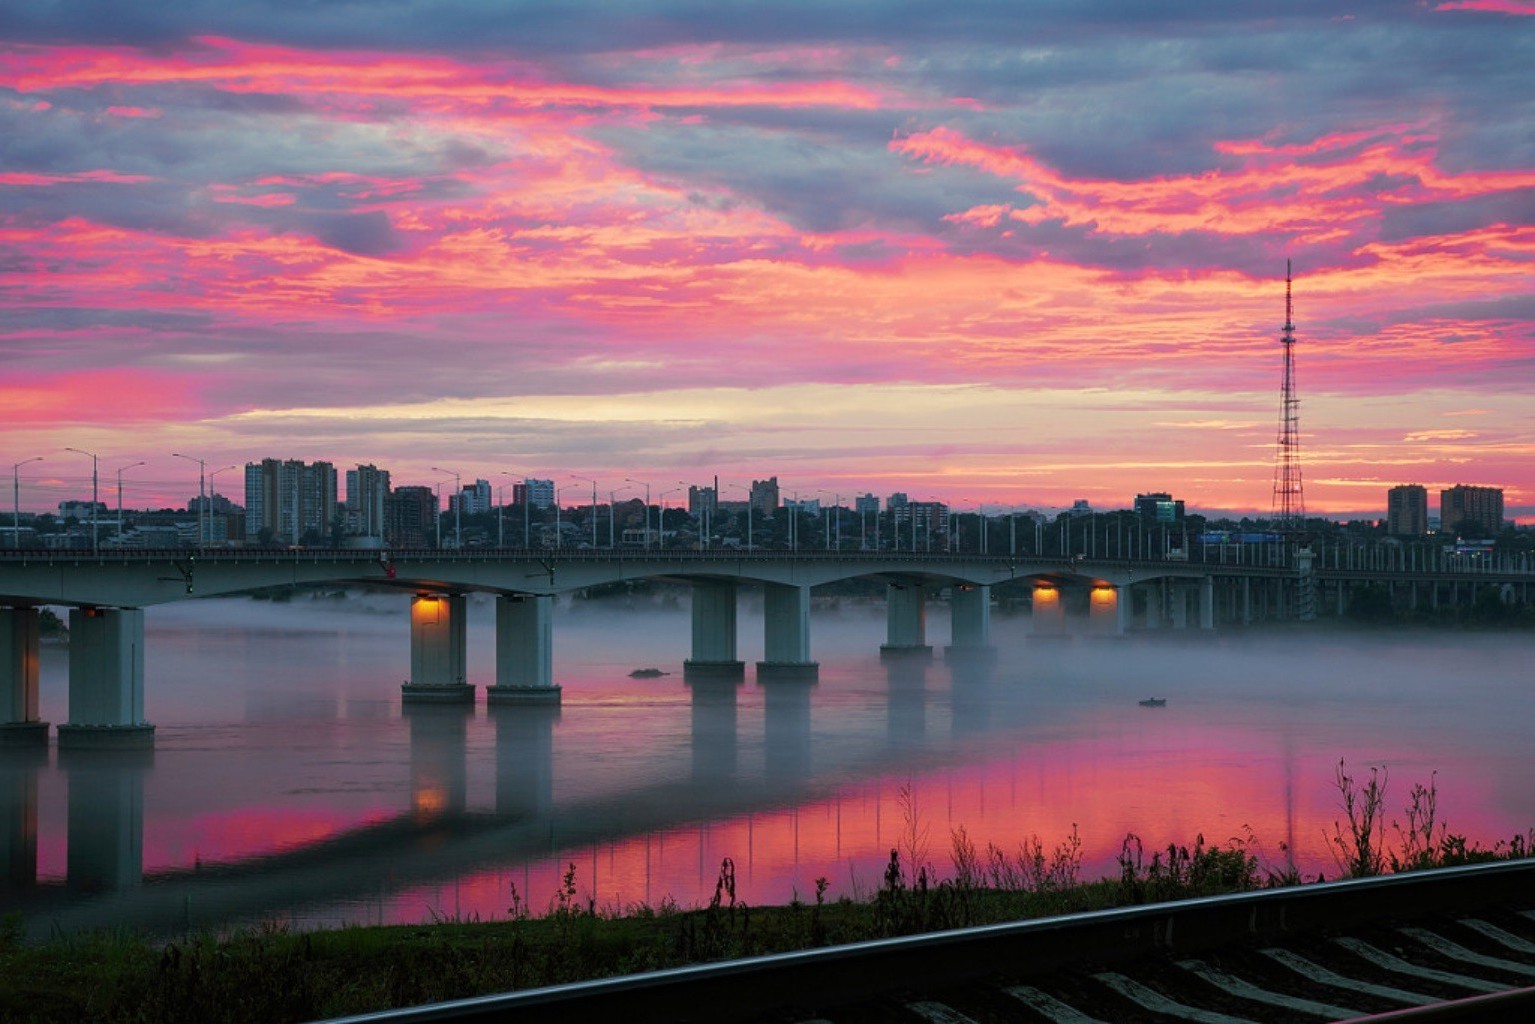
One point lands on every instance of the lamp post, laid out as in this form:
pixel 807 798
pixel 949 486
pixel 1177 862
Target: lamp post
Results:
pixel 557 534
pixel 213 493
pixel 95 537
pixel 743 487
pixel 120 495
pixel 589 480
pixel 527 523
pixel 638 483
pixel 613 514
pixel 16 499
pixel 794 523
pixel 661 512
pixel 202 504
pixel 458 508
pixel 703 515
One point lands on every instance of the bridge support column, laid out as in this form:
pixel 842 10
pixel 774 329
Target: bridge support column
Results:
pixel 1180 603
pixel 786 632
pixel 970 623
pixel 524 651
pixel 1207 603
pixel 1103 611
pixel 1049 612
pixel 714 632
pixel 1247 601
pixel 106 681
pixel 19 646
pixel 437 651
pixel 1155 596
pixel 905 621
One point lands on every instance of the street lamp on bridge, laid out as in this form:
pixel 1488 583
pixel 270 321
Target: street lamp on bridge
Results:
pixel 458 507
pixel 202 491
pixel 95 536
pixel 120 495
pixel 589 480
pixel 16 499
pixel 639 483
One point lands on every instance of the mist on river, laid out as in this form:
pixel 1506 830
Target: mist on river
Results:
pixel 288 781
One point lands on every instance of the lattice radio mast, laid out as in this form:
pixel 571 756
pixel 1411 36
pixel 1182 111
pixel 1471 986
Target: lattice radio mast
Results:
pixel 1289 495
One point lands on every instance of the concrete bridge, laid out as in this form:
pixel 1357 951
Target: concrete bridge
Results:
pixel 107 592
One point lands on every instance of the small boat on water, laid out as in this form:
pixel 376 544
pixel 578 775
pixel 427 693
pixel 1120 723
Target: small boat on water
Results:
pixel 1154 702
pixel 647 673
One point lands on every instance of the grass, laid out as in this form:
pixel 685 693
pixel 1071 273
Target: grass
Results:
pixel 272 974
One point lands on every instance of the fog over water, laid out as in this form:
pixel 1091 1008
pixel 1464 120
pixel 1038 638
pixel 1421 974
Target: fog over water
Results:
pixel 288 782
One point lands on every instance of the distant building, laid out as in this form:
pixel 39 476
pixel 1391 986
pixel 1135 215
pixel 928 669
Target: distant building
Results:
pixel 289 499
pixel 410 517
pixel 702 501
pixel 1080 507
pixel 1159 507
pixel 367 489
pixel 1466 509
pixel 82 510
pixel 866 504
pixel 897 500
pixel 764 496
pixel 474 499
pixel 536 493
pixel 1407 510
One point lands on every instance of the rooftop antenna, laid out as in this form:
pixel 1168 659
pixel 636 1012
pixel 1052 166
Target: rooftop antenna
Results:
pixel 1289 495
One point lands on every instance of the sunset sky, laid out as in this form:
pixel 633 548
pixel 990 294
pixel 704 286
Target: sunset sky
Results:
pixel 1014 253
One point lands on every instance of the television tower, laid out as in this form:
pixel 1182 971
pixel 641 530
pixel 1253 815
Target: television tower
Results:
pixel 1289 496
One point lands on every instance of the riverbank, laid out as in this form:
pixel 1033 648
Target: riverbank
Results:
pixel 272 974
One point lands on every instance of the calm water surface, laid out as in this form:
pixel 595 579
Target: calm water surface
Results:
pixel 288 783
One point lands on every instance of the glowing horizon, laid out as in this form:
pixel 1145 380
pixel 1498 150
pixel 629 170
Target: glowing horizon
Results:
pixel 1014 262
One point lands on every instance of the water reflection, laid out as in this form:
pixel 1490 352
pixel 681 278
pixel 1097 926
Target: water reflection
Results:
pixel 715 711
pixel 786 730
pixel 525 760
pixel 378 812
pixel 18 816
pixel 439 773
pixel 106 818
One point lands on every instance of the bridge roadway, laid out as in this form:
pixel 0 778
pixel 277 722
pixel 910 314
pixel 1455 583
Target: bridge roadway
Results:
pixel 107 593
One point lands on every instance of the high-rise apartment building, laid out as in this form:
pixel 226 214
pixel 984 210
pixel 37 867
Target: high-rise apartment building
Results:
pixel 764 496
pixel 367 489
pixel 1159 507
pixel 702 501
pixel 866 504
pixel 410 517
pixel 1407 510
pixel 1466 509
pixel 472 500
pixel 537 493
pixel 289 500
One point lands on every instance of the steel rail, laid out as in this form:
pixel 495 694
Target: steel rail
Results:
pixel 818 979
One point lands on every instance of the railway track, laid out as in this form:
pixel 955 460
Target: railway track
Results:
pixel 1456 944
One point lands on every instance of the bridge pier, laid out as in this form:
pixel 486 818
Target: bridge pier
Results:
pixel 1156 599
pixel 20 642
pixel 1049 613
pixel 106 681
pixel 1107 610
pixel 524 651
pixel 1207 603
pixel 786 629
pixel 970 622
pixel 1180 602
pixel 437 651
pixel 905 621
pixel 714 631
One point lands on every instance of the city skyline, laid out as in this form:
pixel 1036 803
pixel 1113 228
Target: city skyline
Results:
pixel 1024 257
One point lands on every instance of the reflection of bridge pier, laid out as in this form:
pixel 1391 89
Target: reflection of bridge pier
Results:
pixel 439 777
pixel 20 644
pixel 786 729
pixel 18 816
pixel 525 760
pixel 906 700
pixel 106 817
pixel 714 704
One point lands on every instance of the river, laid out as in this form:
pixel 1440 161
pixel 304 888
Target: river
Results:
pixel 289 785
